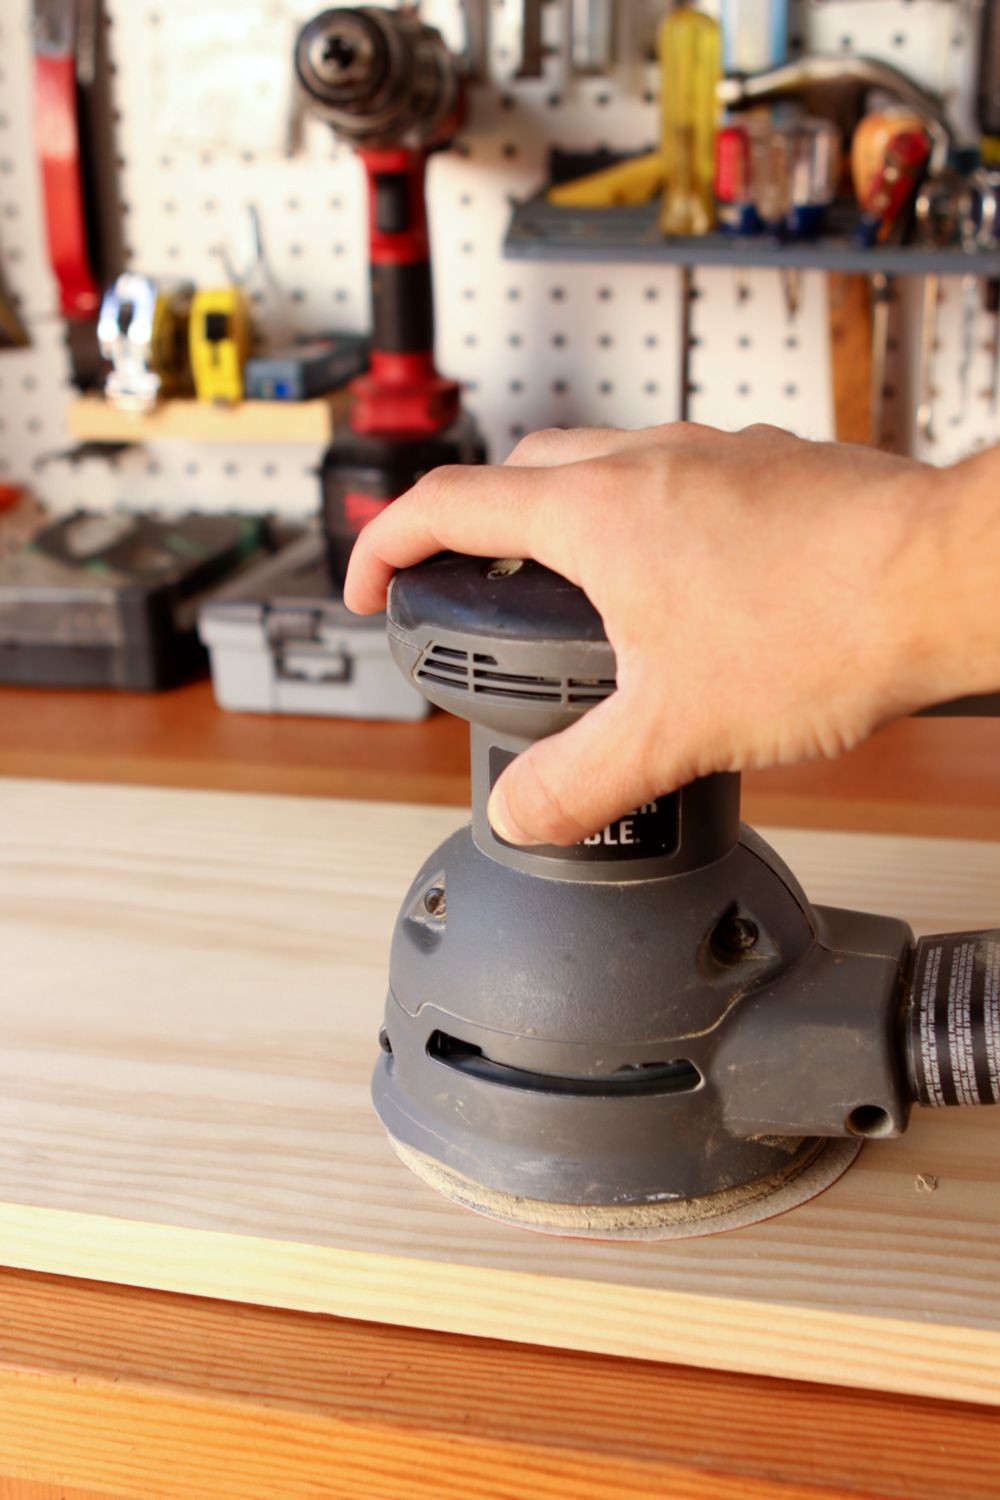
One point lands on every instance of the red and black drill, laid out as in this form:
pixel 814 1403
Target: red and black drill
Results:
pixel 389 86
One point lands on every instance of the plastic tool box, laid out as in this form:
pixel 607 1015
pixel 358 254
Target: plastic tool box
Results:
pixel 111 600
pixel 282 641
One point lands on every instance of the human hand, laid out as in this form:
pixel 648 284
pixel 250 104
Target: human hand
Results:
pixel 768 600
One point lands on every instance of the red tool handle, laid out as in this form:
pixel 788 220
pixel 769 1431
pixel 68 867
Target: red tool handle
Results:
pixel 57 134
pixel 402 390
pixel 905 157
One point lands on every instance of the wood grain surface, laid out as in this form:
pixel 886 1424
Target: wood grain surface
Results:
pixel 939 777
pixel 192 987
pixel 92 420
pixel 165 1397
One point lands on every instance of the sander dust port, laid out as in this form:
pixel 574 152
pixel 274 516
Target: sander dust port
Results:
pixel 652 1033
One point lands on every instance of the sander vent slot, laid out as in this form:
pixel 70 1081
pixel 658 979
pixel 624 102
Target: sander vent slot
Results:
pixel 517 685
pixel 531 695
pixel 444 681
pixel 482 676
pixel 446 667
pixel 675 1077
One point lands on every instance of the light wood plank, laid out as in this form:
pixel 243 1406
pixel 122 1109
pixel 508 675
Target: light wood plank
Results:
pixel 92 420
pixel 32 1489
pixel 192 983
pixel 431 1405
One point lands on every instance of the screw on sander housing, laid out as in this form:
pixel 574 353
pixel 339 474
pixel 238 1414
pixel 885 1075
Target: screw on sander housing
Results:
pixel 659 1012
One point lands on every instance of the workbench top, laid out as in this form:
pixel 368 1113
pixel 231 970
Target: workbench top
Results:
pixel 140 1391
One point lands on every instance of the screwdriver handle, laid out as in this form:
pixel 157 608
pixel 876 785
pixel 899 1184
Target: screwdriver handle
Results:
pixel 688 43
pixel 988 84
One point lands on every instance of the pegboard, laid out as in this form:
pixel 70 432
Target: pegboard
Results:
pixel 532 344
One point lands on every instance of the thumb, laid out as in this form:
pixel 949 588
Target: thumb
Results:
pixel 570 785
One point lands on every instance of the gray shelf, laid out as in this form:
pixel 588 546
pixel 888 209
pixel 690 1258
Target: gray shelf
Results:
pixel 541 231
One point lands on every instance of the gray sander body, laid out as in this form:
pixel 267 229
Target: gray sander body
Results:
pixel 653 1031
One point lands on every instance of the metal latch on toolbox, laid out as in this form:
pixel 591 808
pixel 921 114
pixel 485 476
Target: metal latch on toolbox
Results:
pixel 299 651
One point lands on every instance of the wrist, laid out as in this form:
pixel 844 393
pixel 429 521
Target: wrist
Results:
pixel 952 645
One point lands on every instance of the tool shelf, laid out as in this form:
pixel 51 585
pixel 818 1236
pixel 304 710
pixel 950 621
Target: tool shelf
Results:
pixel 540 230
pixel 92 420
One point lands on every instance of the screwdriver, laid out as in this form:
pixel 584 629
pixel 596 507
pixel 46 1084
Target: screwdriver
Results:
pixel 988 117
pixel 937 225
pixel 688 44
pixel 988 90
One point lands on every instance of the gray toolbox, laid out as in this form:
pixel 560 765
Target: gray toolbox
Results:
pixel 282 641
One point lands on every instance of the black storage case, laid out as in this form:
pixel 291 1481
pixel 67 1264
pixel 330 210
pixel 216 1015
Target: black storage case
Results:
pixel 112 600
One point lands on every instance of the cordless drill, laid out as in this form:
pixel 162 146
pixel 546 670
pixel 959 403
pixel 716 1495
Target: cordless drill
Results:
pixel 389 87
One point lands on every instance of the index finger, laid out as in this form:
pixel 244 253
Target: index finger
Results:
pixel 477 509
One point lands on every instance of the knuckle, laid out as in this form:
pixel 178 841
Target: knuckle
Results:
pixel 438 485
pixel 537 444
pixel 686 432
pixel 671 432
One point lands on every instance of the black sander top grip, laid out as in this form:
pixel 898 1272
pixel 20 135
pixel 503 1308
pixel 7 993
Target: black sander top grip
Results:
pixel 479 595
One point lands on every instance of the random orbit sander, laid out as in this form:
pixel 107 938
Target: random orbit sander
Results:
pixel 389 87
pixel 653 1033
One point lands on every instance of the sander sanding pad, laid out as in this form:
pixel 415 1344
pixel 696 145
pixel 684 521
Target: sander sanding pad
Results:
pixel 810 1172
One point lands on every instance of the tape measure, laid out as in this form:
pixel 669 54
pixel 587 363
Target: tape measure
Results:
pixel 219 335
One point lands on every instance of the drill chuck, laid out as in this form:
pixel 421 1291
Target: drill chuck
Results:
pixel 379 78
pixel 653 1032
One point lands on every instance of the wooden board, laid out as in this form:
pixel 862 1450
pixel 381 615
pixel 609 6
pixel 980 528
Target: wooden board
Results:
pixel 92 420
pixel 190 986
